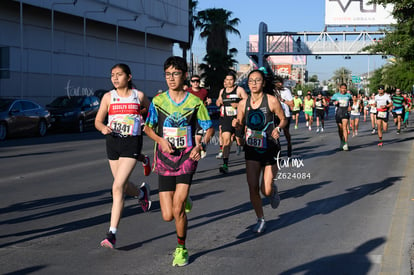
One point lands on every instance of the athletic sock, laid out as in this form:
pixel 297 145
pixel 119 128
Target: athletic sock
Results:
pixel 180 241
pixel 113 230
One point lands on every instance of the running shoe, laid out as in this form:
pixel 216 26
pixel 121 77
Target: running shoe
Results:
pixel 321 129
pixel 109 241
pixel 310 128
pixel 307 123
pixel 275 198
pixel 398 132
pixel 219 155
pixel 188 204
pixel 144 198
pixel 296 126
pixel 224 169
pixel 380 144
pixel 345 147
pixel 147 166
pixel 317 130
pixel 180 257
pixel 373 131
pixel 356 133
pixel 260 226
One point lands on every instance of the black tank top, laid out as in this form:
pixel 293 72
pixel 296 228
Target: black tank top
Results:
pixel 260 119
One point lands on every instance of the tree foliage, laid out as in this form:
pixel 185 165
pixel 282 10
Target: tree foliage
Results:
pixel 215 25
pixel 398 42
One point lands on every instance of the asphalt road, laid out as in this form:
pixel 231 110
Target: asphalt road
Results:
pixel 341 212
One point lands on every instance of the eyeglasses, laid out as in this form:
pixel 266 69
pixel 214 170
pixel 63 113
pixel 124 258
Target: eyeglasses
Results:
pixel 195 80
pixel 174 74
pixel 251 81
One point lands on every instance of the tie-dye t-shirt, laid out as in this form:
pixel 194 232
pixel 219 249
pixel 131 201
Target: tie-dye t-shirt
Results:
pixel 177 122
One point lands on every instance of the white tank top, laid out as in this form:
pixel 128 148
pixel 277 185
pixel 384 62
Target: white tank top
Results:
pixel 124 115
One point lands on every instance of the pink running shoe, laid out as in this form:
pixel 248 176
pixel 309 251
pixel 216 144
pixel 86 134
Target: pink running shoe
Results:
pixel 109 241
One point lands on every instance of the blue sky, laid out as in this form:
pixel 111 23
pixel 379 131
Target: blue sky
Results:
pixel 281 15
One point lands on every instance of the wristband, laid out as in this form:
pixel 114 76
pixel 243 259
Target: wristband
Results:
pixel 278 129
pixel 204 146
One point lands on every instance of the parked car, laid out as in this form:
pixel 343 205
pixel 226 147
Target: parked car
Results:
pixel 74 112
pixel 22 117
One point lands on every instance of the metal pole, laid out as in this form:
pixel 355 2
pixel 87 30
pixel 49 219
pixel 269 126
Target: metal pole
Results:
pixel 52 47
pixel 145 53
pixel 117 34
pixel 84 43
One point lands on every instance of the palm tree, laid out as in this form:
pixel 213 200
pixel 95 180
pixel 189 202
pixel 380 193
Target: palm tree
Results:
pixel 342 75
pixel 214 25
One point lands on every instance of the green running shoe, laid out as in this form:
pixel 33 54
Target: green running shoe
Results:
pixel 180 257
pixel 188 204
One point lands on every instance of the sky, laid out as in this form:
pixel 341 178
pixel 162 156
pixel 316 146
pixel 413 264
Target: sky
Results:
pixel 281 15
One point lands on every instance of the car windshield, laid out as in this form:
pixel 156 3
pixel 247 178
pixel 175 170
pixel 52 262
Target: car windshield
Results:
pixel 66 101
pixel 5 104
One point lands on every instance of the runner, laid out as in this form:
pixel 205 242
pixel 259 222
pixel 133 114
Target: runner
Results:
pixel 201 93
pixel 373 112
pixel 383 102
pixel 342 100
pixel 297 106
pixel 285 97
pixel 398 109
pixel 257 113
pixel 123 105
pixel 407 109
pixel 355 113
pixel 366 107
pixel 171 123
pixel 309 104
pixel 320 105
pixel 229 97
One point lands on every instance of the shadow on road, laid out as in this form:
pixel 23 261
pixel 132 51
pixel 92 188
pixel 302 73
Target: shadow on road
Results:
pixel 356 262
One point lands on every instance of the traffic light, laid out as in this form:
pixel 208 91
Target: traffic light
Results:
pixel 306 76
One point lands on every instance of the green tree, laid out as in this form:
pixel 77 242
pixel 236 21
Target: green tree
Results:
pixel 398 42
pixel 342 75
pixel 215 25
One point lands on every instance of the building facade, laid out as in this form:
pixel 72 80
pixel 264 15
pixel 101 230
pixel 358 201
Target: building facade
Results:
pixel 50 48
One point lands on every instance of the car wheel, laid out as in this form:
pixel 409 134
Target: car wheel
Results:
pixel 3 131
pixel 42 128
pixel 81 125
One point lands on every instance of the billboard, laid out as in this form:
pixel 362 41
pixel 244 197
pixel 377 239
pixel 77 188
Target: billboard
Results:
pixel 357 12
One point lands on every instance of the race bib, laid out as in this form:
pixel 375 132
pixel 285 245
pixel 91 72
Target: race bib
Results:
pixel 230 111
pixel 343 103
pixel 398 111
pixel 126 125
pixel 256 139
pixel 179 137
pixel 382 114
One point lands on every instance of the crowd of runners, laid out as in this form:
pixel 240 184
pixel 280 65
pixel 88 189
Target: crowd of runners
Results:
pixel 177 120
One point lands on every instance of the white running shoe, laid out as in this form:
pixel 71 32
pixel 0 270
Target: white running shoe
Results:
pixel 317 130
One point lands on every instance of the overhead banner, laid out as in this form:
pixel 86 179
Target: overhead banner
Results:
pixel 357 12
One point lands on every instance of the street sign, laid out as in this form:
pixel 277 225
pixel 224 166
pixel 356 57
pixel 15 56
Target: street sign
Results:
pixel 356 79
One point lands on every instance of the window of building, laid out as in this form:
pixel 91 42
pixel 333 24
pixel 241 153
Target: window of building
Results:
pixel 4 62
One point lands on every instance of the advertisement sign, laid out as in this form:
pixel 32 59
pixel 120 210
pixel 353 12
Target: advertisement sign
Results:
pixel 357 12
pixel 283 70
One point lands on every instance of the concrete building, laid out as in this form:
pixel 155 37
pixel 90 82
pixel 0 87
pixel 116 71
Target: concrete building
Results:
pixel 57 47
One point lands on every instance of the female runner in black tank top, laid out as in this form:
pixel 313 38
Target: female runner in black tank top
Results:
pixel 257 113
